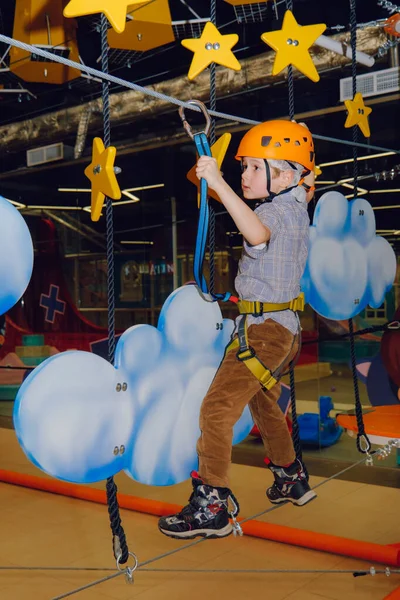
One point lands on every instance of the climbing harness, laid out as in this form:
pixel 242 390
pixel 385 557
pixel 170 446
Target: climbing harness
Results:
pixel 246 354
pixel 257 309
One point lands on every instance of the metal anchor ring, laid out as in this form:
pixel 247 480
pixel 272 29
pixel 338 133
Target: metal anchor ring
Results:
pixel 203 109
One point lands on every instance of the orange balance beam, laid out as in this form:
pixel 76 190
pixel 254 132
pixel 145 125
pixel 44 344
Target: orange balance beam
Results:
pixel 395 595
pixel 387 555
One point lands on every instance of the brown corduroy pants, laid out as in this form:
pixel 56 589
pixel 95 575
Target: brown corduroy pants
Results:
pixel 233 387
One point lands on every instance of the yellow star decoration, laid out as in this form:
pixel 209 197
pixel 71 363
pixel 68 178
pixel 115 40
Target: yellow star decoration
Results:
pixel 317 171
pixel 114 10
pixel 102 177
pixel 358 114
pixel 292 44
pixel 218 151
pixel 212 47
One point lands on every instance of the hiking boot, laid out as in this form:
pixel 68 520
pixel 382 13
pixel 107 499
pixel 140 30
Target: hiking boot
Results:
pixel 290 485
pixel 206 515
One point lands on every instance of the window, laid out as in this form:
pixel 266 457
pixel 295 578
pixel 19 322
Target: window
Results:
pixel 373 314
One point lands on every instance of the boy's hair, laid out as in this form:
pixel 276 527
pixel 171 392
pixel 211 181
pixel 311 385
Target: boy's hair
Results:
pixel 277 166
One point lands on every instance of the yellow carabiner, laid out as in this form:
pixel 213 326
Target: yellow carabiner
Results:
pixel 186 125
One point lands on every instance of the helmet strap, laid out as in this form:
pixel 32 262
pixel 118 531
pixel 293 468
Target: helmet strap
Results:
pixel 271 194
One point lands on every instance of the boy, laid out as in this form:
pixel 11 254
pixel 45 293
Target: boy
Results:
pixel 276 157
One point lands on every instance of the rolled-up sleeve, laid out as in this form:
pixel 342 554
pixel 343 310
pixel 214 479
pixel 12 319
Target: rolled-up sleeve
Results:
pixel 269 217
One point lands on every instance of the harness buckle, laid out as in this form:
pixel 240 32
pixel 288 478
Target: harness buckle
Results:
pixel 298 303
pixel 268 380
pixel 186 125
pixel 245 354
pixel 260 312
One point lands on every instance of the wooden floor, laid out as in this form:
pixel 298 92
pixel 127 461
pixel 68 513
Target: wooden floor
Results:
pixel 39 529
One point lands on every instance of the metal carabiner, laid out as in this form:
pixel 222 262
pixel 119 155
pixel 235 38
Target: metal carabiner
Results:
pixel 186 125
pixel 394 325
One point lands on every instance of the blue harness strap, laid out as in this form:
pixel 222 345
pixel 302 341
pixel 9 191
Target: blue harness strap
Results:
pixel 203 149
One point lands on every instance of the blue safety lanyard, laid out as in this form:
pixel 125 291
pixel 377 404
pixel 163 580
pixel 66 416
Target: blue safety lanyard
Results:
pixel 203 149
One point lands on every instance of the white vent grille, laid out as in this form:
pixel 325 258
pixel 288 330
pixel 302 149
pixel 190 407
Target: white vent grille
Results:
pixel 39 156
pixel 371 84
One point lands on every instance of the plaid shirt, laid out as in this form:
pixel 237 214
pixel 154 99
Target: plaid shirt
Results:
pixel 272 272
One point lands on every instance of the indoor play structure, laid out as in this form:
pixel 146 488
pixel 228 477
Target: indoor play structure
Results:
pixel 123 412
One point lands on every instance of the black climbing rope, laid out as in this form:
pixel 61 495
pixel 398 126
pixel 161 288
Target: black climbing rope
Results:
pixel 213 106
pixel 120 547
pixel 289 6
pixel 363 443
pixel 293 409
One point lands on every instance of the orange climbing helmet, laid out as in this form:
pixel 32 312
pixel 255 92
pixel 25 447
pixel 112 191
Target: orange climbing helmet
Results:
pixel 279 140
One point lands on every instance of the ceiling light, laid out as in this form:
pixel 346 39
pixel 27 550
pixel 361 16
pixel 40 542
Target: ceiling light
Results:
pixel 397 232
pixel 132 189
pixel 129 195
pixel 359 189
pixel 44 207
pixel 345 180
pixel 15 203
pixel 392 191
pixel 349 160
pixel 320 182
pixel 74 190
pixel 144 187
pixel 386 207
pixel 137 243
pixel 116 203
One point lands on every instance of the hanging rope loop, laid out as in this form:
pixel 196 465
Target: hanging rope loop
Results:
pixel 363 443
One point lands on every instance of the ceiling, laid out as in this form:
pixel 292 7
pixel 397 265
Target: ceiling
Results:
pixel 168 164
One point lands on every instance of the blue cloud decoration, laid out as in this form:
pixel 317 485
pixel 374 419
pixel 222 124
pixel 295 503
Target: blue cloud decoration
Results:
pixel 80 419
pixel 16 255
pixel 349 266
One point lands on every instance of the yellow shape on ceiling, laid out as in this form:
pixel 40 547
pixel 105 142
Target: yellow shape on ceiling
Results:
pixel 292 44
pixel 114 10
pixel 218 151
pixel 211 47
pixel 358 114
pixel 150 27
pixel 102 177
pixel 317 171
pixel 40 23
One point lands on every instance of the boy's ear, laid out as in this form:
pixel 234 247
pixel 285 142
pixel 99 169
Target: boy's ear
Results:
pixel 287 177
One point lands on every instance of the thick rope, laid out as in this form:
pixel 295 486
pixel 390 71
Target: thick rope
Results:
pixel 213 104
pixel 289 6
pixel 353 42
pixel 295 424
pixel 120 547
pixel 363 443
pixel 391 325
